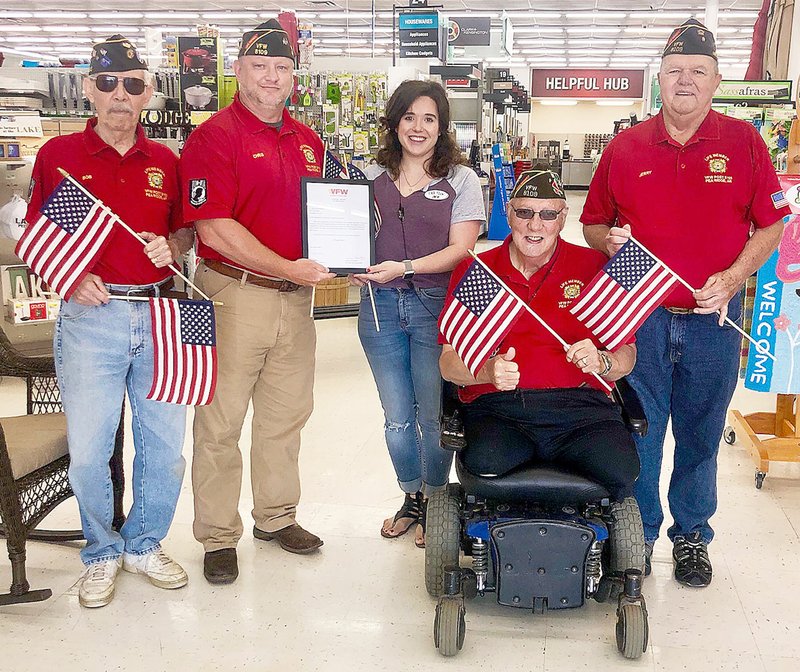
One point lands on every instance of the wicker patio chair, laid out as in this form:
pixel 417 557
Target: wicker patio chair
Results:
pixel 33 467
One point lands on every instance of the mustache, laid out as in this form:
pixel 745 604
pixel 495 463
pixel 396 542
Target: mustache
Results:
pixel 121 108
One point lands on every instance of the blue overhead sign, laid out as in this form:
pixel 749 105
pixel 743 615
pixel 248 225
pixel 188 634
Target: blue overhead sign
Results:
pixel 420 36
pixel 418 21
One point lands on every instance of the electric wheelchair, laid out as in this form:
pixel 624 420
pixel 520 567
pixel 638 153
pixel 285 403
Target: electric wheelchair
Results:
pixel 539 537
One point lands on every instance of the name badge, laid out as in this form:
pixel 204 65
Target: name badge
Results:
pixel 436 195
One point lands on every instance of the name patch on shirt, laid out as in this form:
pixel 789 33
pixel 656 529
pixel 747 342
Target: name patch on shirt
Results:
pixel 155 179
pixel 718 166
pixel 779 200
pixel 198 192
pixel 572 290
pixel 436 195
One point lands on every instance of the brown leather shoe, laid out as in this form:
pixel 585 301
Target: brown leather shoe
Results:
pixel 293 539
pixel 221 566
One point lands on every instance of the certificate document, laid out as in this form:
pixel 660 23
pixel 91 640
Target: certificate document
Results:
pixel 339 223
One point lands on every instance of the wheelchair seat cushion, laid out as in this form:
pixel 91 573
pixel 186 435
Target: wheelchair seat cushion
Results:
pixel 546 484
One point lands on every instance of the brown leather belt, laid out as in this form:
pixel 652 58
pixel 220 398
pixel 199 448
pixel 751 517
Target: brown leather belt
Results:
pixel 257 280
pixel 144 291
pixel 679 311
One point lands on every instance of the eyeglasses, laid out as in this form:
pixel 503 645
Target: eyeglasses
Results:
pixel 108 83
pixel 544 215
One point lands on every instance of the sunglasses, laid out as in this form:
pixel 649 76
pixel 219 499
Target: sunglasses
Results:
pixel 544 215
pixel 108 83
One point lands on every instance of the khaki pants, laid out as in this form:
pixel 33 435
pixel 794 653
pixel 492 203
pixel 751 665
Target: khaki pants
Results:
pixel 265 347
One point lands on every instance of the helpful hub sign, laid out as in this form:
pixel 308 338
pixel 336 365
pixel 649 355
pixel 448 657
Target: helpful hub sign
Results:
pixel 586 83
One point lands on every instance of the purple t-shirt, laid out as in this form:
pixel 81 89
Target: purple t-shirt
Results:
pixel 428 215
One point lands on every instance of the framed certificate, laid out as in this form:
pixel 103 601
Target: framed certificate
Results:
pixel 339 223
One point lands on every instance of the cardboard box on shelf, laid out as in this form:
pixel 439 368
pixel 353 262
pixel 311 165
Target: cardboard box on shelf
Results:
pixel 19 311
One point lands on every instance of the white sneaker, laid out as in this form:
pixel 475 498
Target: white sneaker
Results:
pixel 162 570
pixel 97 587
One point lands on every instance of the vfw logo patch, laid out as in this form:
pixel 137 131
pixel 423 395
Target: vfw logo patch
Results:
pixel 198 192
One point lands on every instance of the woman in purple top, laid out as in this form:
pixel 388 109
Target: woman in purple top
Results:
pixel 431 209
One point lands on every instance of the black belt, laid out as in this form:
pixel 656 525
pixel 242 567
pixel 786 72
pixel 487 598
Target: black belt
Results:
pixel 144 291
pixel 257 280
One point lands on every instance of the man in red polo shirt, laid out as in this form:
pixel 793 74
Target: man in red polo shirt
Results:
pixel 241 171
pixel 531 401
pixel 104 347
pixel 690 184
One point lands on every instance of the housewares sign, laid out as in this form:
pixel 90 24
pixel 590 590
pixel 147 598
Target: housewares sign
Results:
pixel 585 83
pixel 419 35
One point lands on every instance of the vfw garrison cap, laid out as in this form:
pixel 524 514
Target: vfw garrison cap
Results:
pixel 691 38
pixel 116 54
pixel 538 184
pixel 266 39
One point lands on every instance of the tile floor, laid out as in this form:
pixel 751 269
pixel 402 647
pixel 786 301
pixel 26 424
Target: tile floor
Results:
pixel 361 603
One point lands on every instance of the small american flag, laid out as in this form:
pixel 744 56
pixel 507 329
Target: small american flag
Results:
pixel 185 359
pixel 478 317
pixel 64 243
pixel 332 168
pixel 621 296
pixel 779 200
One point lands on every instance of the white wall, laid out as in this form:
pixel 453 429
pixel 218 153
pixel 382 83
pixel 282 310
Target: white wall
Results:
pixel 562 122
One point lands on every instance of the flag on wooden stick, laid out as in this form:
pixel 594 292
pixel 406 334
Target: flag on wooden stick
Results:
pixel 479 316
pixel 62 245
pixel 185 358
pixel 631 285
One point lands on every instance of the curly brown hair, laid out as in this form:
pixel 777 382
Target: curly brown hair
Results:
pixel 446 153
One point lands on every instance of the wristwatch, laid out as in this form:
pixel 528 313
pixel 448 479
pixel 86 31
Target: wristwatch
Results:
pixel 409 272
pixel 607 364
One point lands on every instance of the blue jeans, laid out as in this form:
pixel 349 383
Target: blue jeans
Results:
pixel 686 369
pixel 404 358
pixel 100 352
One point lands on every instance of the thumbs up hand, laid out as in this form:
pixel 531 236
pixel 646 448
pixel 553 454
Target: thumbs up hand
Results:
pixel 502 371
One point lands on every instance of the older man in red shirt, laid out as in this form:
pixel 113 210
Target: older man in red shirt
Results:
pixel 105 347
pixel 698 189
pixel 241 170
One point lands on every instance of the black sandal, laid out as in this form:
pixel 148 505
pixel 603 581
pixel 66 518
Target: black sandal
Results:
pixel 410 509
pixel 423 512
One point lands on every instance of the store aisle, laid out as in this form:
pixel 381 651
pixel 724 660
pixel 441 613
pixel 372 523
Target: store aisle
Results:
pixel 361 603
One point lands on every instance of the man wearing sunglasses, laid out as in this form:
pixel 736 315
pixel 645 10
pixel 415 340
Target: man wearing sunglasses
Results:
pixel 241 172
pixel 544 402
pixel 104 347
pixel 690 184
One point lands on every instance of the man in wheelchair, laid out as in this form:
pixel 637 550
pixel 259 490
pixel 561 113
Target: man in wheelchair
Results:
pixel 544 503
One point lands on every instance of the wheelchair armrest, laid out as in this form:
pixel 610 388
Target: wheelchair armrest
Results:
pixel 630 407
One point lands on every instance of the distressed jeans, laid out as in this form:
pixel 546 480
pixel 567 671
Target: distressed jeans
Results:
pixel 686 370
pixel 404 358
pixel 102 351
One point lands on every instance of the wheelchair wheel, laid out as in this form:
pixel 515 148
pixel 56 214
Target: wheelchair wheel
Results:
pixel 623 550
pixel 625 536
pixel 442 537
pixel 632 631
pixel 449 625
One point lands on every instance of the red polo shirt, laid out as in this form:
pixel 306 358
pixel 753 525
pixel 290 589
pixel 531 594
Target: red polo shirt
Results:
pixel 236 166
pixel 691 205
pixel 140 187
pixel 550 292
